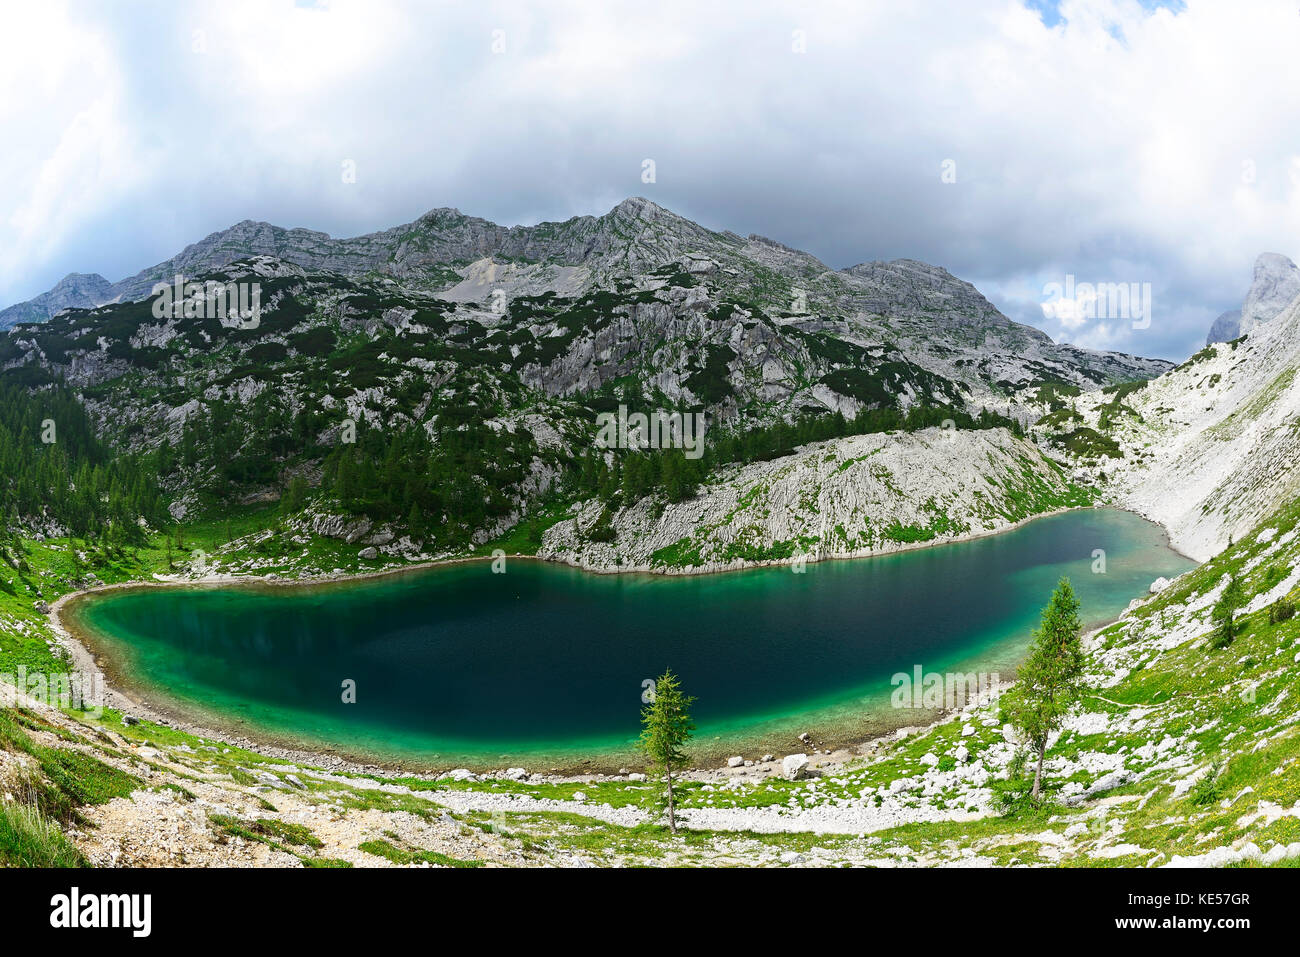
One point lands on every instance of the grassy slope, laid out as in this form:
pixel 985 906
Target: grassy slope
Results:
pixel 1230 714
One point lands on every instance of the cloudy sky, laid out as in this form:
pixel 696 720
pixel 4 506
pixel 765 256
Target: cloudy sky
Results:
pixel 1108 140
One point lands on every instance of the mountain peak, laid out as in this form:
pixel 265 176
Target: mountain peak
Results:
pixel 1275 285
pixel 1225 328
pixel 440 214
pixel 640 208
pixel 1273 263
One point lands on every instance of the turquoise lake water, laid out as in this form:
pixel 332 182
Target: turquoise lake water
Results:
pixel 545 664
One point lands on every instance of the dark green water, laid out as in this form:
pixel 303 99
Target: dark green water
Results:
pixel 545 663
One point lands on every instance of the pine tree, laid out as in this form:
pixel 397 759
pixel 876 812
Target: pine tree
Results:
pixel 1224 615
pixel 666 727
pixel 295 496
pixel 1048 683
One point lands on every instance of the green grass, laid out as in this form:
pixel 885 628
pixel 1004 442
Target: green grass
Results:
pixel 400 856
pixel 30 839
pixel 279 835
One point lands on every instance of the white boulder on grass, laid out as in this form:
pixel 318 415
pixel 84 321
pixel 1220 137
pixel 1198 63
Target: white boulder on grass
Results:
pixel 794 765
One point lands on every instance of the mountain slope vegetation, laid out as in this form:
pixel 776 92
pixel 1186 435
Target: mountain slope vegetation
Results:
pixel 444 379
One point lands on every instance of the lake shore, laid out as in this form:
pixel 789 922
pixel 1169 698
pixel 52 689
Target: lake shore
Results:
pixel 124 695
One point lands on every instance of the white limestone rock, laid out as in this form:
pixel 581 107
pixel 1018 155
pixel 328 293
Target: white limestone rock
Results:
pixel 793 766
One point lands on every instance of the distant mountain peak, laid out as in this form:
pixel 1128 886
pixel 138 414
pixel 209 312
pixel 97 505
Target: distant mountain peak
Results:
pixel 1225 328
pixel 1274 285
pixel 76 290
pixel 442 213
pixel 641 207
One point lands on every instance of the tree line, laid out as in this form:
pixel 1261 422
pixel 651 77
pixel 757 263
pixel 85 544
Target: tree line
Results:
pixel 54 470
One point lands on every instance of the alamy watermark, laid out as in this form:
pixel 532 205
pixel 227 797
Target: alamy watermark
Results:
pixel 238 301
pixel 934 690
pixel 1075 303
pixel 65 691
pixel 658 430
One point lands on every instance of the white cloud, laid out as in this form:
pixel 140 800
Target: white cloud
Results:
pixel 1110 146
pixel 67 153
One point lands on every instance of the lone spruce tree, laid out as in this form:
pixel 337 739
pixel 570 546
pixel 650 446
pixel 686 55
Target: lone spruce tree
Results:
pixel 666 727
pixel 1224 614
pixel 1048 683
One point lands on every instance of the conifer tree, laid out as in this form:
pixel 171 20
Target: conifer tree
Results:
pixel 1048 683
pixel 1224 614
pixel 666 727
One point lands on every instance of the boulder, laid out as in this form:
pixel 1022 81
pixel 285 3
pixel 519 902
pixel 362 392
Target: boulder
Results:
pixel 735 761
pixel 794 765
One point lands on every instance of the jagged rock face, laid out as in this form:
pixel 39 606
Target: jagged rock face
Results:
pixel 906 287
pixel 75 290
pixel 1225 328
pixel 1275 286
pixel 855 496
pixel 939 322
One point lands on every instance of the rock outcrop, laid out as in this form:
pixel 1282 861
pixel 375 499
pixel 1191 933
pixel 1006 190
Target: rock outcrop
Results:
pixel 1275 286
pixel 861 495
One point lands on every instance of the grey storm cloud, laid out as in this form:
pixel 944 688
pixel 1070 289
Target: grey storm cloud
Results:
pixel 1106 140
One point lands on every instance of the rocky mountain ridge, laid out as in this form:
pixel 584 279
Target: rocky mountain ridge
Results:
pixel 460 258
